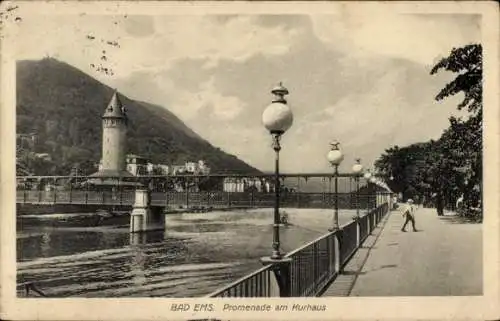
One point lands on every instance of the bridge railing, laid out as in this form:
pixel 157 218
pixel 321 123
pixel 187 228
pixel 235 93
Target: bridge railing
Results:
pixel 187 199
pixel 313 266
pixel 308 190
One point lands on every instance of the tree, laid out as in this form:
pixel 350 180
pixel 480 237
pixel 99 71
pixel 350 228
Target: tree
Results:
pixel 452 165
pixel 461 144
pixel 406 166
pixel 468 63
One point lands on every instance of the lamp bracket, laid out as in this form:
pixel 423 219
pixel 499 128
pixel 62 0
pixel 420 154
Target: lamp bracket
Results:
pixel 335 145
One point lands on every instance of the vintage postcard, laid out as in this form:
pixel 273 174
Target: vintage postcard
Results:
pixel 249 160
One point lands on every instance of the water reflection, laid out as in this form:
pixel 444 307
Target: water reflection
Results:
pixel 138 261
pixel 138 239
pixel 193 256
pixel 45 244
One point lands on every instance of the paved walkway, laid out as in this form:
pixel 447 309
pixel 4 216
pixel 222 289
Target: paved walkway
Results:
pixel 443 258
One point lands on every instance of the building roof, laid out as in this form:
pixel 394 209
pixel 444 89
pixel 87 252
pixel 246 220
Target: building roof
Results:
pixel 111 173
pixel 135 156
pixel 115 108
pixel 110 182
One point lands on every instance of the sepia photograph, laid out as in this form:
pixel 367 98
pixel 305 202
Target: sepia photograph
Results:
pixel 246 154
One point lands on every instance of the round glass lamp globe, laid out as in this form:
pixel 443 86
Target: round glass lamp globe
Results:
pixel 368 175
pixel 335 157
pixel 277 117
pixel 357 168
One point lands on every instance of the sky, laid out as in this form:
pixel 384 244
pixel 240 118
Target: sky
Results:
pixel 359 77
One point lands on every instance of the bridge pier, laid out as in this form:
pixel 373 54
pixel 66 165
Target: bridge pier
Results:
pixel 144 217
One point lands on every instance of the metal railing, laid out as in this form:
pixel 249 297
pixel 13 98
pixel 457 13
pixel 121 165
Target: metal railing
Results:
pixel 255 284
pixel 364 227
pixel 215 199
pixel 313 266
pixel 298 189
pixel 348 239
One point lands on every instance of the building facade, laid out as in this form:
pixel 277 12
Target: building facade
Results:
pixel 196 168
pixel 137 165
pixel 247 184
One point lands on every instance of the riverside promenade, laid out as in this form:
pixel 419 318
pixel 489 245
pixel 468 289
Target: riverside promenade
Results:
pixel 443 258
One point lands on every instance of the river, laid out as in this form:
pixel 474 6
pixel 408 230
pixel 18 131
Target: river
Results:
pixel 195 255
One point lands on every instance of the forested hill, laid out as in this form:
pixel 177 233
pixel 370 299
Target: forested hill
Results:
pixel 63 107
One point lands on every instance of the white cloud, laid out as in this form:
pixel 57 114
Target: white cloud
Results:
pixel 381 32
pixel 365 121
pixel 165 40
pixel 205 103
pixel 237 39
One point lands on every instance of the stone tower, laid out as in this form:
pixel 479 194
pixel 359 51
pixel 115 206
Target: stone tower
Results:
pixel 114 139
pixel 114 136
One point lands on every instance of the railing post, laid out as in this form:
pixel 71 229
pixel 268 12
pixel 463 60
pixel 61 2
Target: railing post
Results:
pixel 358 231
pixel 39 190
pixel 298 192
pixel 70 192
pixel 24 194
pixel 315 263
pixel 55 190
pixel 119 190
pixel 228 199
pixel 337 245
pixel 187 194
pixel 323 197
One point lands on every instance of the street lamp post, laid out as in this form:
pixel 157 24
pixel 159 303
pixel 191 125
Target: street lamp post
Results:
pixel 367 176
pixel 277 118
pixel 335 157
pixel 373 180
pixel 357 169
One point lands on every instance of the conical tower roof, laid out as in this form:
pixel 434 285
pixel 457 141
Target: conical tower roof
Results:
pixel 115 107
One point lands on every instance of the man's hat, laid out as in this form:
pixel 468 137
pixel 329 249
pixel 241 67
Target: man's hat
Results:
pixel 410 200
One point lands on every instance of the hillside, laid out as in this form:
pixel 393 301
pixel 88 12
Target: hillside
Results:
pixel 63 107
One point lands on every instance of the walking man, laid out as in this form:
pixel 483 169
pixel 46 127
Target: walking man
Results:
pixel 408 211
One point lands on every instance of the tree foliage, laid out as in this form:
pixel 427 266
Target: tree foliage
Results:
pixel 468 63
pixel 451 166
